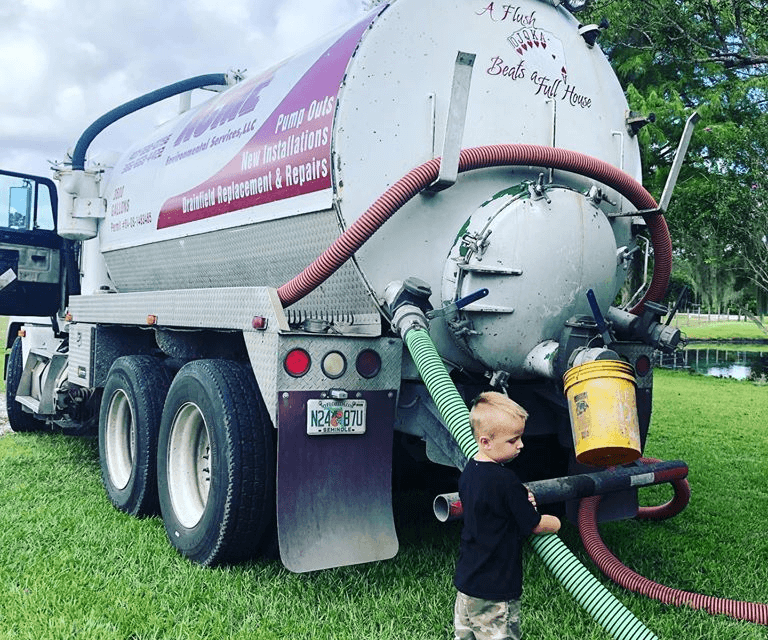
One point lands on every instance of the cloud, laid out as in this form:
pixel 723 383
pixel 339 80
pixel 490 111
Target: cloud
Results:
pixel 22 81
pixel 298 20
pixel 64 63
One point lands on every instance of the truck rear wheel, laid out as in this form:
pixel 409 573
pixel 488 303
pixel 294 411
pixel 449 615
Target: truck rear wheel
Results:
pixel 129 420
pixel 20 420
pixel 216 464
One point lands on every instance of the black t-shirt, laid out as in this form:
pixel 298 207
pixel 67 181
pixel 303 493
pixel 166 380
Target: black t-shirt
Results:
pixel 497 518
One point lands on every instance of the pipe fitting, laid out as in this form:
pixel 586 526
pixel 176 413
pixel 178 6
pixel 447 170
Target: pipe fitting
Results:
pixel 80 207
pixel 624 323
pixel 448 507
pixel 582 355
pixel 408 304
pixel 408 317
pixel 413 291
pixel 541 360
pixel 664 337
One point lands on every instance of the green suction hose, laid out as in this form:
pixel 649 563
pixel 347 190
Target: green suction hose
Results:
pixel 613 616
pixel 440 386
pixel 596 600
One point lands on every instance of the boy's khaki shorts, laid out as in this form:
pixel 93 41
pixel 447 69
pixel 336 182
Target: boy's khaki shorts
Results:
pixel 478 619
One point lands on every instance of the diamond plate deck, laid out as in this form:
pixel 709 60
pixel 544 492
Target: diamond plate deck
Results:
pixel 267 254
pixel 225 308
pixel 267 351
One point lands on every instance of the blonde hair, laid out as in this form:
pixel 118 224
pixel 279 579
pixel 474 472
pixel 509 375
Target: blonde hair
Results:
pixel 488 404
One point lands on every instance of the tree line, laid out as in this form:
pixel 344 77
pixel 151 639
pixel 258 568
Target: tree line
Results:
pixel 711 56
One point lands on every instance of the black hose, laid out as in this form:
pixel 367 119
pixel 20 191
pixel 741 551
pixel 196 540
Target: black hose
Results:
pixel 210 79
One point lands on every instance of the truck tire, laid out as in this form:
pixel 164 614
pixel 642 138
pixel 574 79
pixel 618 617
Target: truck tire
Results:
pixel 129 420
pixel 20 420
pixel 216 464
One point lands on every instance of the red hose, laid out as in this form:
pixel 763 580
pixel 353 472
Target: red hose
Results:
pixel 622 575
pixel 678 502
pixel 482 157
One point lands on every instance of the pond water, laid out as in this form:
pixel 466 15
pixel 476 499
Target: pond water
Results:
pixel 722 363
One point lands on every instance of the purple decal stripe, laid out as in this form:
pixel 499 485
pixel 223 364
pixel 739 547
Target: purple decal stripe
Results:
pixel 289 155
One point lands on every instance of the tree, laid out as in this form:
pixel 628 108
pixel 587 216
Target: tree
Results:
pixel 750 217
pixel 674 56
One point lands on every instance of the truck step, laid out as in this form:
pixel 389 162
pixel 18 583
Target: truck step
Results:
pixel 42 352
pixel 29 402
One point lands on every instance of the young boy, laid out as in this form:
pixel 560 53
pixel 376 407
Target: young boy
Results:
pixel 498 515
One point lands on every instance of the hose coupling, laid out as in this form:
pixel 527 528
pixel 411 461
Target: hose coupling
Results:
pixel 408 304
pixel 647 327
pixel 407 317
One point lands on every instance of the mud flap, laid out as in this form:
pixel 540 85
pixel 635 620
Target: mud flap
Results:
pixel 334 492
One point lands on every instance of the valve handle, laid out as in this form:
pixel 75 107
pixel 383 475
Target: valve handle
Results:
pixel 472 297
pixel 602 327
pixel 596 313
pixel 453 307
pixel 680 300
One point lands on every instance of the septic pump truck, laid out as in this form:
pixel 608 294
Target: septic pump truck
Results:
pixel 226 297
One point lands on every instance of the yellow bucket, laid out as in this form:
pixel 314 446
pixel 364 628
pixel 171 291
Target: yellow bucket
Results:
pixel 602 403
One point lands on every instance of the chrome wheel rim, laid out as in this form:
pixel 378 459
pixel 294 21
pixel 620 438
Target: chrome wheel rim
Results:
pixel 120 439
pixel 189 468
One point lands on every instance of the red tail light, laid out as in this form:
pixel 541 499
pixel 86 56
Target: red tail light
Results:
pixel 297 362
pixel 643 365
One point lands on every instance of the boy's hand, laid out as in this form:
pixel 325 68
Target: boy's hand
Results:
pixel 532 500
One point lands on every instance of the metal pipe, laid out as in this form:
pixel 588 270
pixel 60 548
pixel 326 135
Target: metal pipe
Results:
pixel 447 506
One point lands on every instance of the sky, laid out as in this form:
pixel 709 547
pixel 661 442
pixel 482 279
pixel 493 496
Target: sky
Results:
pixel 64 63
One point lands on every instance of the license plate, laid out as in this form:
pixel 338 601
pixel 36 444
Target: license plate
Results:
pixel 331 417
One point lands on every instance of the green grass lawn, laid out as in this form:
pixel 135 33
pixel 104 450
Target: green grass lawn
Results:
pixel 698 329
pixel 74 567
pixel 750 347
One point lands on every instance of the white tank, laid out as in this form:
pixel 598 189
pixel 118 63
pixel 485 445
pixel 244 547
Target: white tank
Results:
pixel 251 186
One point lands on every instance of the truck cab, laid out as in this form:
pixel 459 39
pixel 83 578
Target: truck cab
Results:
pixel 32 255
